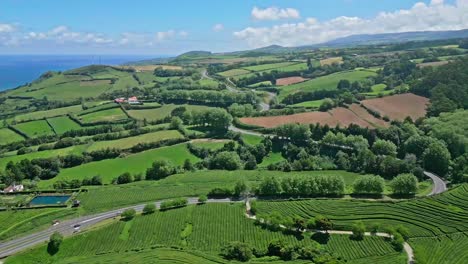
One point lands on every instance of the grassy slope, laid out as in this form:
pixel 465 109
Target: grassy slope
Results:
pixel 129 142
pixel 63 124
pixel 113 114
pixel 35 128
pixel 43 154
pixel 8 136
pixel 161 112
pixel 48 113
pixel 328 82
pixel 135 163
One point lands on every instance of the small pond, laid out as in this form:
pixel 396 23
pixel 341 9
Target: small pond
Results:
pixel 49 199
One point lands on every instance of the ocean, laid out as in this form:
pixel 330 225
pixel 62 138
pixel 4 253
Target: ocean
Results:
pixel 16 70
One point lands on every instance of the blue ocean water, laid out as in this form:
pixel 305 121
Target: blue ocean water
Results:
pixel 17 70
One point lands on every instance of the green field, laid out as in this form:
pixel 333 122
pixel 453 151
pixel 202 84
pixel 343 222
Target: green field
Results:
pixel 212 145
pixel 233 72
pixel 8 136
pixel 260 84
pixel 162 112
pixel 135 163
pixel 251 139
pixel 274 157
pixel 328 82
pixel 309 104
pixel 108 115
pixel 284 68
pixel 213 226
pixel 378 89
pixel 263 67
pixel 126 143
pixel 48 113
pixel 35 128
pixel 63 124
pixel 78 149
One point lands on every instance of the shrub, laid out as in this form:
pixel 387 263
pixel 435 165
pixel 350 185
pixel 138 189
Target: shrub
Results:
pixel 220 193
pixel 55 241
pixel 404 184
pixel 124 178
pixel 359 230
pixel 173 204
pixel 128 214
pixel 369 185
pixel 149 208
pixel 237 251
pixel 202 199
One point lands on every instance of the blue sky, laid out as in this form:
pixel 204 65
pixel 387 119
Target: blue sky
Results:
pixel 172 27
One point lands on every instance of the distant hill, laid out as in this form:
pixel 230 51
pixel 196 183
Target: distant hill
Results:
pixel 396 37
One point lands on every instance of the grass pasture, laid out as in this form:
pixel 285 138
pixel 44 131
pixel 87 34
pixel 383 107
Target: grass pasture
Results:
pixel 78 149
pixel 330 61
pixel 233 72
pixel 35 128
pixel 125 143
pixel 107 115
pixel 269 66
pixel 63 124
pixel 48 113
pixel 251 139
pixel 162 112
pixel 135 163
pixel 213 226
pixel 9 136
pixel 328 82
pixel 309 104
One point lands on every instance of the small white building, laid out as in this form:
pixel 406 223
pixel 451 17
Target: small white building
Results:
pixel 14 188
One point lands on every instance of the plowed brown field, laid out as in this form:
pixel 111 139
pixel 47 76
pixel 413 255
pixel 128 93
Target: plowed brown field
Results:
pixel 398 107
pixel 290 80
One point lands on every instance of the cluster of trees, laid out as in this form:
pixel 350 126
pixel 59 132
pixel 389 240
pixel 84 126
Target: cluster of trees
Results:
pixel 445 85
pixel 30 169
pixel 220 98
pixel 217 118
pixel 73 184
pixel 241 251
pixel 302 186
pixel 241 110
pixel 176 203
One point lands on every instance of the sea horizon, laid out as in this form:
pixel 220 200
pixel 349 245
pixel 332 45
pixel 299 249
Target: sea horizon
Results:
pixel 19 69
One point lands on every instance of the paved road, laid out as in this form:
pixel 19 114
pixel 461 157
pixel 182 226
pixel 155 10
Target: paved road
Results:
pixel 66 227
pixel 439 184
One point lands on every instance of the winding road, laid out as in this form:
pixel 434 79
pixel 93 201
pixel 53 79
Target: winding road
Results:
pixel 439 185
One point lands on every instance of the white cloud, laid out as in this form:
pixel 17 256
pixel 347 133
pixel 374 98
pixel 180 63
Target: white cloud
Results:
pixel 435 16
pixel 6 28
pixel 274 13
pixel 218 27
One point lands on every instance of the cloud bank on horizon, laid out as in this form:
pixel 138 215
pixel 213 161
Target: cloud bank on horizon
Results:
pixel 421 17
pixel 270 25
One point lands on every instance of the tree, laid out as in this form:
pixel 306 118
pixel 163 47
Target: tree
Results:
pixel 343 84
pixel 202 199
pixel 359 230
pixel 269 186
pixel 384 147
pixel 241 188
pixel 436 158
pixel 404 184
pixel 160 169
pixel 398 242
pixel 149 208
pixel 238 251
pixel 369 185
pixel 323 223
pixel 188 166
pixel 176 123
pixel 299 223
pixel 124 178
pixel 128 214
pixel 225 160
pixel 326 105
pixel 55 241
